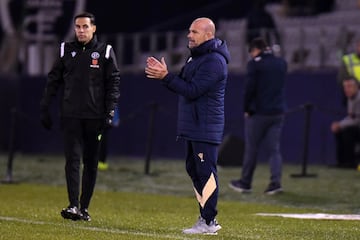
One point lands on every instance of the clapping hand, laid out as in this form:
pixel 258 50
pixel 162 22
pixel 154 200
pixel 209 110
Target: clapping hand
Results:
pixel 156 69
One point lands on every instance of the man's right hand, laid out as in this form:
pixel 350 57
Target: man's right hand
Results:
pixel 335 127
pixel 45 119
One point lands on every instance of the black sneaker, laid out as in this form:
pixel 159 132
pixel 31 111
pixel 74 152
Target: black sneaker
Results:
pixel 273 188
pixel 72 213
pixel 239 187
pixel 85 215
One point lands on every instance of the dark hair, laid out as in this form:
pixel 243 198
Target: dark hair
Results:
pixel 86 15
pixel 258 43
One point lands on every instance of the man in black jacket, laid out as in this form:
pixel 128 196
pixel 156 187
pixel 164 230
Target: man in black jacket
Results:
pixel 88 74
pixel 264 107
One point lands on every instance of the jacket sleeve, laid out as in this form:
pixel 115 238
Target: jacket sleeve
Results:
pixel 250 88
pixel 112 81
pixel 210 71
pixel 353 118
pixel 54 81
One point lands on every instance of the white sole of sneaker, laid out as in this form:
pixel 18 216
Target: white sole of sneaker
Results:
pixel 277 191
pixel 240 190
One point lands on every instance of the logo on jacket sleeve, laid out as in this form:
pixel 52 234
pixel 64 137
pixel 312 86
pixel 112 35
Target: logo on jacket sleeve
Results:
pixel 94 60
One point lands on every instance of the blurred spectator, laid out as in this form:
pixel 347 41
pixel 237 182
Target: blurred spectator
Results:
pixel 350 68
pixel 264 107
pixel 261 24
pixel 347 131
pixel 350 65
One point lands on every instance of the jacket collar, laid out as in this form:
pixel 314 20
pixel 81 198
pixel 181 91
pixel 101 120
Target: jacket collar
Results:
pixel 203 48
pixel 88 45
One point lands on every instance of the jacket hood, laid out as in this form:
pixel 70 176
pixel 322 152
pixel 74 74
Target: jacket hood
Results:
pixel 212 45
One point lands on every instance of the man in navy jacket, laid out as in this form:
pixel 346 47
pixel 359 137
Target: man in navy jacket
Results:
pixel 264 106
pixel 201 89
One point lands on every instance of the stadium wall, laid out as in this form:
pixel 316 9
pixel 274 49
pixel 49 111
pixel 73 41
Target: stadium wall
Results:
pixel 139 94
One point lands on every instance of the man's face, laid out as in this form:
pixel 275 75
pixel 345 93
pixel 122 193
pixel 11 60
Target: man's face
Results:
pixel 255 52
pixel 84 30
pixel 350 88
pixel 197 34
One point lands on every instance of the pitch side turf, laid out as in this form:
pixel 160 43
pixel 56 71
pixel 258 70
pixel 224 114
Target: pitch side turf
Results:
pixel 128 204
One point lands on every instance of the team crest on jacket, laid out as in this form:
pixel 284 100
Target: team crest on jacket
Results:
pixel 201 156
pixel 94 60
pixel 73 53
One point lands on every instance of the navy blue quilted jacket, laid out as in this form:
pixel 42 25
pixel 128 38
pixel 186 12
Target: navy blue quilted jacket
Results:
pixel 201 88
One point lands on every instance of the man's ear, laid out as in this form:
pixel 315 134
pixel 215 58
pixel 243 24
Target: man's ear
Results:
pixel 209 35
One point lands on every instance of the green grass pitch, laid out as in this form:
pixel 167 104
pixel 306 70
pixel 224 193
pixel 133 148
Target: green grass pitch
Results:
pixel 128 204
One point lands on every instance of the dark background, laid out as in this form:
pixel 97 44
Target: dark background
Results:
pixel 138 93
pixel 161 15
pixel 134 16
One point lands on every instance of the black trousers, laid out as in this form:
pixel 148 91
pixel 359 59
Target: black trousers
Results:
pixel 103 145
pixel 346 140
pixel 81 141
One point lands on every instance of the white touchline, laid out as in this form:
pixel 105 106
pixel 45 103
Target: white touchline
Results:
pixel 320 216
pixel 95 229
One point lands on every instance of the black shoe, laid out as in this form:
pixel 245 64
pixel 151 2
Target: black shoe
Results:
pixel 238 186
pixel 85 215
pixel 273 188
pixel 72 213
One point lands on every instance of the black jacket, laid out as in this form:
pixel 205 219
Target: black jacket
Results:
pixel 89 77
pixel 265 85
